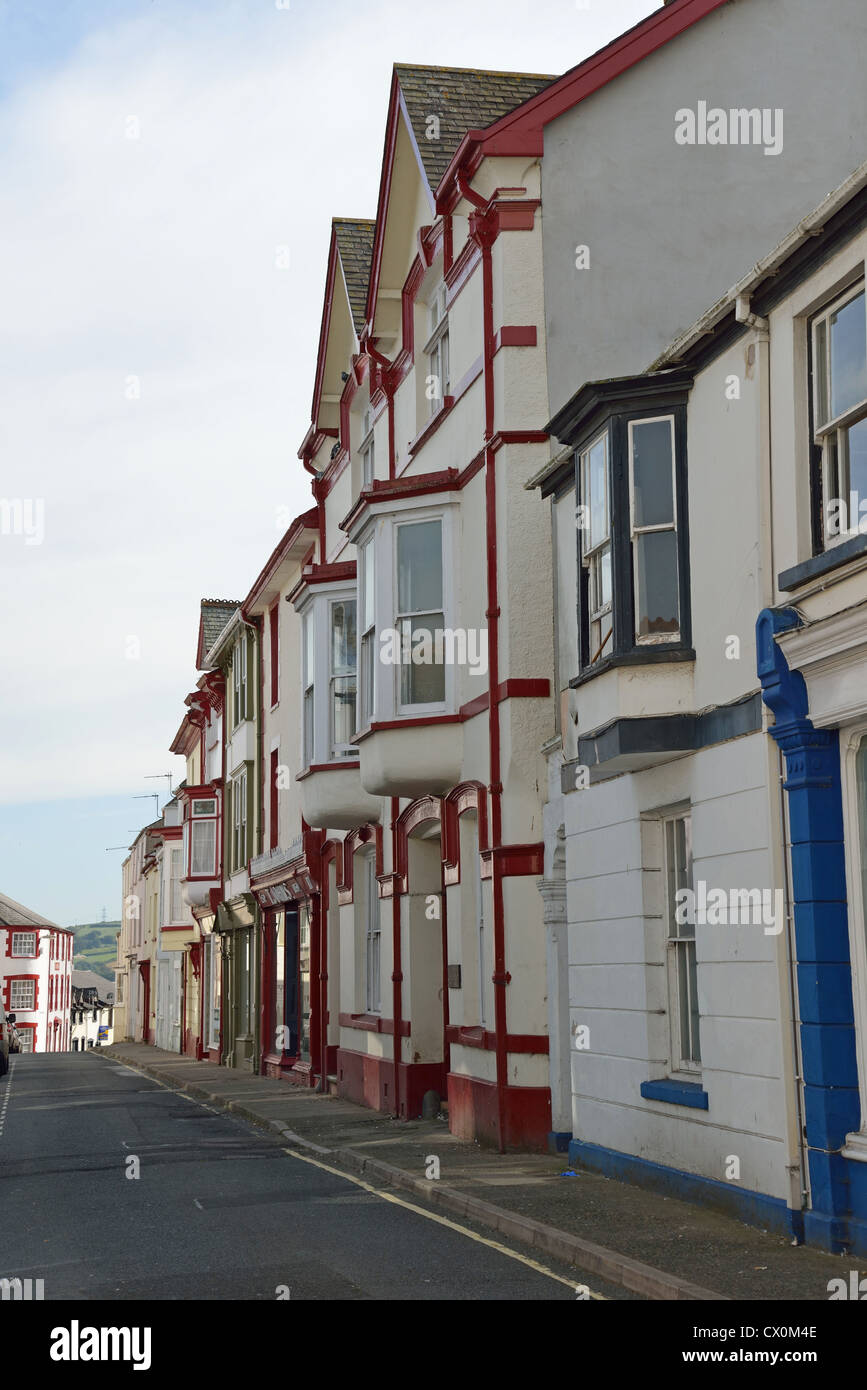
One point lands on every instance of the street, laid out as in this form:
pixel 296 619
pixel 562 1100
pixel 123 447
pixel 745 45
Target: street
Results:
pixel 218 1210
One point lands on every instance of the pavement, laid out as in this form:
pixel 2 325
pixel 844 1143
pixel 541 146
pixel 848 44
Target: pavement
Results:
pixel 645 1245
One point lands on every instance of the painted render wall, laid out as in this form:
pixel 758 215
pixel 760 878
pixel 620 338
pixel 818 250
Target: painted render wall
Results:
pixel 614 179
pixel 617 965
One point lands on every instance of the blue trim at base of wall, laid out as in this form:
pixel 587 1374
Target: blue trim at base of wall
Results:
pixel 755 1208
pixel 675 1092
pixel 559 1141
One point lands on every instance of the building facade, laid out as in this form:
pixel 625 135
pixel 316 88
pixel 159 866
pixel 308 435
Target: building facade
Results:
pixel 35 976
pixel 91 1011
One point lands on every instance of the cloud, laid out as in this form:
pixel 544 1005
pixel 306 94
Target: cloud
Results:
pixel 157 365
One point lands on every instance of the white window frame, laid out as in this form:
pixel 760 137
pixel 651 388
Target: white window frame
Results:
pixel 15 1005
pixel 829 435
pixel 660 638
pixel 592 557
pixel 337 751
pixel 193 819
pixel 16 948
pixel 239 821
pixel 436 349
pixel 366 448
pixel 317 746
pixel 429 706
pixel 372 938
pixel 240 710
pixel 677 944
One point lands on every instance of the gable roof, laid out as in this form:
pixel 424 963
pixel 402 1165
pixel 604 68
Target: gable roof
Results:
pixel 520 131
pixel 213 616
pixel 88 979
pixel 13 914
pixel 462 99
pixel 354 237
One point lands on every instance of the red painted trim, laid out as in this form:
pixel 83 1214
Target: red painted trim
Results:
pixel 513 861
pixel 419 723
pixel 521 130
pixel 472 469
pixel 467 796
pixel 314 574
pixel 373 1023
pixel 513 216
pixel 426 808
pixel 354 841
pixel 432 425
pixel 326 767
pixel 461 270
pixel 517 437
pixel 307 521
pixel 511 335
pixel 520 688
pixel 533 1044
pixel 382 490
pixel 474 707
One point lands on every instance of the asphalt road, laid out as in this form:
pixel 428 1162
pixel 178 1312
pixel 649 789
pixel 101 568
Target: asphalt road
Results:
pixel 218 1211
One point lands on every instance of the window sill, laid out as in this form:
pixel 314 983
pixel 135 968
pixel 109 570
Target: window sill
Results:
pixel 638 656
pixel 336 766
pixel 817 565
pixel 690 1093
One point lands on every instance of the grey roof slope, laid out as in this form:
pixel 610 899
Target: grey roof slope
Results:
pixel 13 914
pixel 216 612
pixel 355 244
pixel 88 979
pixel 463 99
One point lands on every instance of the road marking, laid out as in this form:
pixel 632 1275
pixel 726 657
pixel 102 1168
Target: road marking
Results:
pixel 7 1091
pixel 443 1221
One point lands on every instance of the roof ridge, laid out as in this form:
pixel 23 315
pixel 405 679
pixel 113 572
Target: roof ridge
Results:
pixel 480 72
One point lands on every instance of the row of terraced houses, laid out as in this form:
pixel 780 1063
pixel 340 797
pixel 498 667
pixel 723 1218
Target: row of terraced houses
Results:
pixel 529 778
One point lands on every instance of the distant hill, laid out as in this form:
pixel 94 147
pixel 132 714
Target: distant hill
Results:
pixel 96 948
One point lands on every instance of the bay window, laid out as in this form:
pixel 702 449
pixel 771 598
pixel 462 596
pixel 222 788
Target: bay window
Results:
pixel 631 516
pixel 328 673
pixel 201 829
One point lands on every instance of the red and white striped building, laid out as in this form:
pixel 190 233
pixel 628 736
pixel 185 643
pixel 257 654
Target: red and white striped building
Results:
pixel 36 976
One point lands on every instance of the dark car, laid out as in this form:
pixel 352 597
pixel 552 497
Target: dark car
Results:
pixel 14 1035
pixel 5 1039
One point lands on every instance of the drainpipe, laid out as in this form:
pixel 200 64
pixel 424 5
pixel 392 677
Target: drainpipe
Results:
pixel 388 387
pixel 484 230
pixel 766 586
pixel 397 958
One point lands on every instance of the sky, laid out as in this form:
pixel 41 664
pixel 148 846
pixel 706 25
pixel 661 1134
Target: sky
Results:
pixel 168 175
